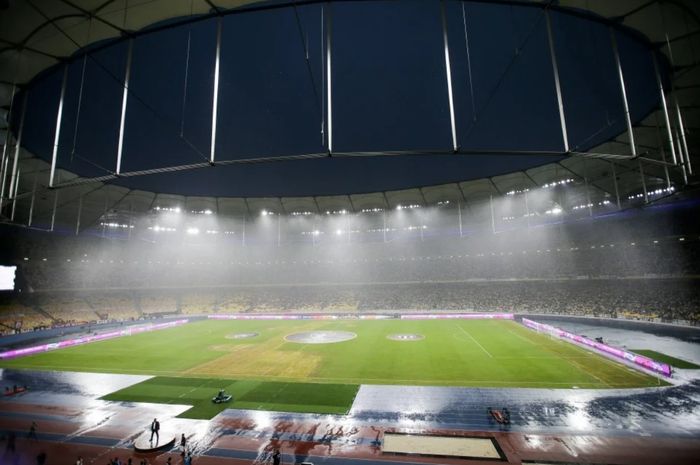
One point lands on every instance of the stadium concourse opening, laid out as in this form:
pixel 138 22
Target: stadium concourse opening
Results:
pixel 349 232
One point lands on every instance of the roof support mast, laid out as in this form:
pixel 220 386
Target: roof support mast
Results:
pixel 329 86
pixel 125 97
pixel 623 90
pixel 59 115
pixel 215 97
pixel 448 75
pixel 664 106
pixel 557 84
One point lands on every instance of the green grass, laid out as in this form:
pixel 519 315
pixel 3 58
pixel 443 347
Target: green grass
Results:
pixel 247 394
pixel 673 361
pixel 261 372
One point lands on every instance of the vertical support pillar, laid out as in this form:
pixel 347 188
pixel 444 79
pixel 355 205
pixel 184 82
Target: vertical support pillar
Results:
pixel 14 197
pixel 18 144
pixel 588 192
pixel 279 230
pixel 680 157
pixel 104 214
pixel 31 203
pixel 131 220
pixel 215 97
pixel 80 212
pixel 623 90
pixel 459 216
pixel 384 224
pixel 448 75
pixel 59 115
pixel 3 160
pixel 493 217
pixel 527 209
pixel 684 143
pixel 664 105
pixel 663 151
pixel 617 190
pixel 243 234
pixel 557 84
pixel 329 74
pixel 2 184
pixel 644 182
pixel 125 98
pixel 53 211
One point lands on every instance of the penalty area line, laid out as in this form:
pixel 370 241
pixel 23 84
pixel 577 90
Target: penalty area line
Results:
pixel 477 342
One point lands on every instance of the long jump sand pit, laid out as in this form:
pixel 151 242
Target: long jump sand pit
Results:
pixel 320 337
pixel 442 446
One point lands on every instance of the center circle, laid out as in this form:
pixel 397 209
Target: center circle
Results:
pixel 405 337
pixel 320 337
pixel 241 335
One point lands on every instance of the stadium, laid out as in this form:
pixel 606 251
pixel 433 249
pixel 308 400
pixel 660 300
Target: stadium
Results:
pixel 349 232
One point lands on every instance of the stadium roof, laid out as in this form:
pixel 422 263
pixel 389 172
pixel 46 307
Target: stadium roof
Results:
pixel 33 39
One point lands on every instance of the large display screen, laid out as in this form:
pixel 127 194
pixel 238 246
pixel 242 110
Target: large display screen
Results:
pixel 7 278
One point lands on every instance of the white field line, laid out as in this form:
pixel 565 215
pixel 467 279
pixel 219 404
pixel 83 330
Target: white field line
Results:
pixel 362 380
pixel 529 341
pixel 477 342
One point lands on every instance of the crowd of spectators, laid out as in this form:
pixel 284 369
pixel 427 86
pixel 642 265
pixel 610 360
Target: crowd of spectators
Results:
pixel 613 271
pixel 666 300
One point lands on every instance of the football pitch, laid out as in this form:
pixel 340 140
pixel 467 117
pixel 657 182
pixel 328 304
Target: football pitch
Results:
pixel 254 361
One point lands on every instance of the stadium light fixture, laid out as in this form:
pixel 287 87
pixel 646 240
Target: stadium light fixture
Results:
pixel 193 231
pixel 263 213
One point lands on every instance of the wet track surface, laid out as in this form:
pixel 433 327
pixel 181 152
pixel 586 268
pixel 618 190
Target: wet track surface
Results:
pixel 70 414
pixel 666 411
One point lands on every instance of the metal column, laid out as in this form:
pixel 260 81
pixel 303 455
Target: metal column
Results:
pixel 459 216
pixel 31 203
pixel 125 97
pixel 53 211
pixel 2 185
pixel 3 160
pixel 644 182
pixel 621 76
pixel 15 163
pixel 80 211
pixel 14 197
pixel 557 84
pixel 684 145
pixel 59 115
pixel 663 151
pixel 588 195
pixel 680 157
pixel 448 75
pixel 279 230
pixel 384 225
pixel 617 190
pixel 667 120
pixel 215 97
pixel 329 86
pixel 493 218
pixel 527 209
